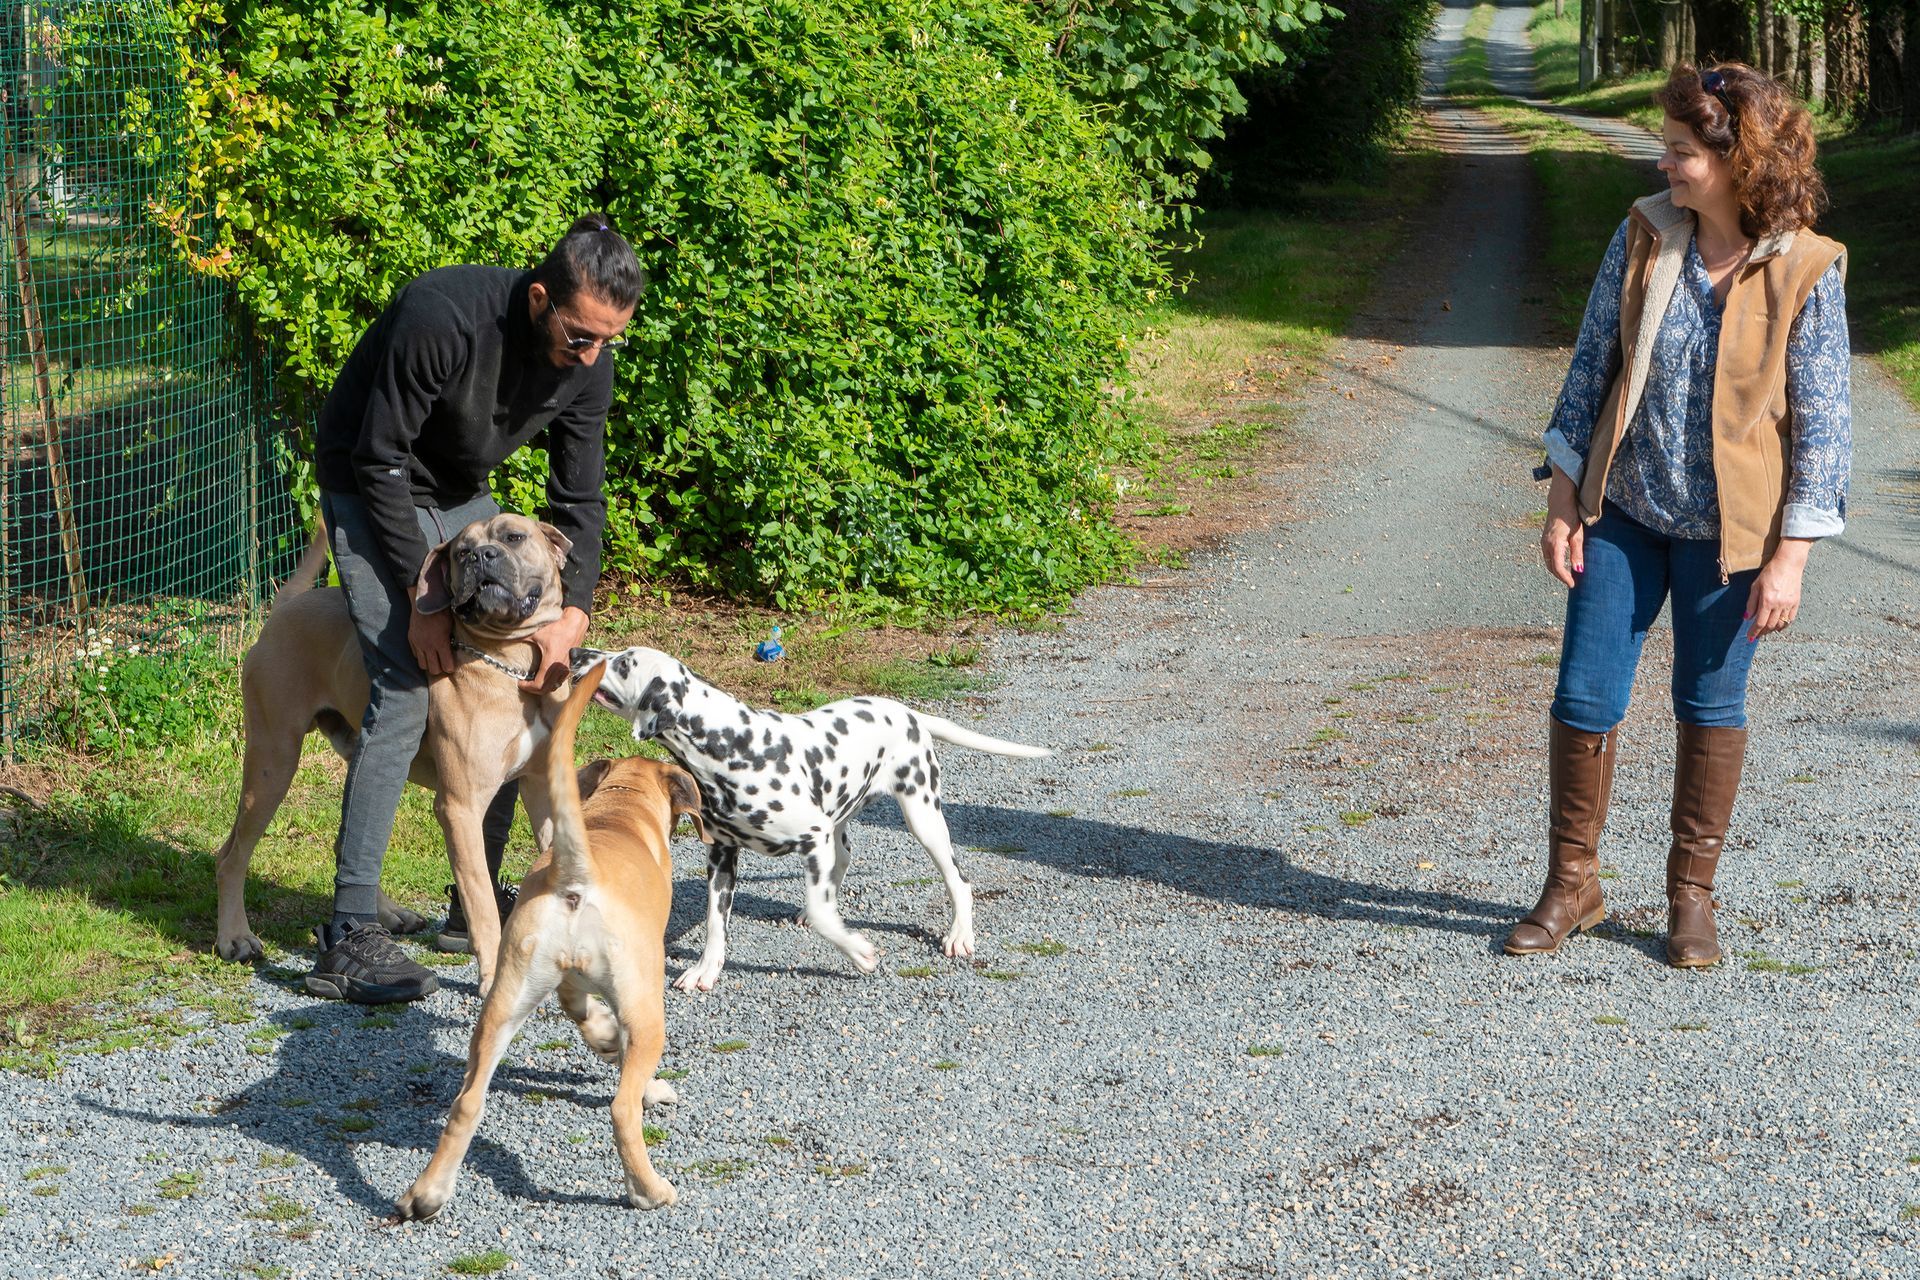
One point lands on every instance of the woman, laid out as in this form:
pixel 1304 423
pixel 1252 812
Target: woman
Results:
pixel 1700 446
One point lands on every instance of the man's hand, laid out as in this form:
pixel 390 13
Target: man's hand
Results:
pixel 430 636
pixel 1774 599
pixel 1563 543
pixel 556 642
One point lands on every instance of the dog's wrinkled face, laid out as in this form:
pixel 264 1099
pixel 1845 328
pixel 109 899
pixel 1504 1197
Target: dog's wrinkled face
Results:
pixel 641 684
pixel 500 576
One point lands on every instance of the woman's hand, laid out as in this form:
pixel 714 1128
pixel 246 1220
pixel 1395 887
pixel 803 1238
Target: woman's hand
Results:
pixel 1774 599
pixel 1563 543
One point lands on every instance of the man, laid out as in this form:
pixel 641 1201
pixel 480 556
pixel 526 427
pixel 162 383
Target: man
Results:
pixel 465 366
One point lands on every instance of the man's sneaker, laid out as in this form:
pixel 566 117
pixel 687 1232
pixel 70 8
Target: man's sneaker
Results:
pixel 455 936
pixel 362 963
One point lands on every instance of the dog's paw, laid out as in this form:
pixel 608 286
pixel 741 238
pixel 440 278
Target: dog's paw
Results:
pixel 698 978
pixel 658 1094
pixel 659 1196
pixel 397 918
pixel 958 943
pixel 242 949
pixel 419 1204
pixel 860 950
pixel 802 917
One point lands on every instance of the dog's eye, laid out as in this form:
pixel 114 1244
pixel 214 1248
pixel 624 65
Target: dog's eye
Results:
pixel 516 536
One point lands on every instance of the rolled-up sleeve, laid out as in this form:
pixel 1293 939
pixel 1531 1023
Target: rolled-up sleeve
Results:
pixel 1820 400
pixel 1596 362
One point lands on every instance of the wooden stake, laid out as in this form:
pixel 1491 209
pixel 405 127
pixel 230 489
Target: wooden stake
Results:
pixel 43 384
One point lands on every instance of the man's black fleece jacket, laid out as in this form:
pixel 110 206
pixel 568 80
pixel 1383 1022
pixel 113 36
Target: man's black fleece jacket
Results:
pixel 452 378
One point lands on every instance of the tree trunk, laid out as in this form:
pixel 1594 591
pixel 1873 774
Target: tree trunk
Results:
pixel 1559 8
pixel 1786 51
pixel 1760 36
pixel 1910 72
pixel 1816 46
pixel 1670 19
pixel 1589 42
pixel 1847 59
pixel 1886 64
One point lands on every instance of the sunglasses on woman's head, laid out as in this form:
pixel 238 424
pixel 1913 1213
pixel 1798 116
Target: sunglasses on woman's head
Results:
pixel 1716 84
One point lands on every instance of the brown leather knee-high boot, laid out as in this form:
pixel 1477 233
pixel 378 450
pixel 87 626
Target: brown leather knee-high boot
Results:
pixel 1580 778
pixel 1706 774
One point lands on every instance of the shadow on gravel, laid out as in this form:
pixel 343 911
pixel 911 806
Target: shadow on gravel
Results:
pixel 1240 874
pixel 347 1077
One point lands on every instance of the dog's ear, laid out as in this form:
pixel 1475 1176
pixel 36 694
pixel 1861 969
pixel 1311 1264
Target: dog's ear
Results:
pixel 591 775
pixel 432 592
pixel 683 794
pixel 561 544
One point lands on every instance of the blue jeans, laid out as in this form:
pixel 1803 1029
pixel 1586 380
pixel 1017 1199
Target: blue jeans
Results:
pixel 396 716
pixel 1630 572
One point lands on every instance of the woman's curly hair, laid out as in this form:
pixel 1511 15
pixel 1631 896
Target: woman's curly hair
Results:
pixel 1757 125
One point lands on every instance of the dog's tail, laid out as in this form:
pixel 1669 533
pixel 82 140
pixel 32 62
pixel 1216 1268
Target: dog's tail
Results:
pixel 948 731
pixel 307 572
pixel 570 865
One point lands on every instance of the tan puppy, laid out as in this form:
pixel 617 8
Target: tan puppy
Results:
pixel 591 923
pixel 501 578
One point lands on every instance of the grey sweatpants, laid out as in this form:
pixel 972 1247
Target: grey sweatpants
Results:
pixel 396 718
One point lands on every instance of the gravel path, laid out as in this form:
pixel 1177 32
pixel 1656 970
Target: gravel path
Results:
pixel 1240 1009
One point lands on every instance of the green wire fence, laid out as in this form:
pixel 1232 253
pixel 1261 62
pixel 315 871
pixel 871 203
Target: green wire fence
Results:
pixel 141 511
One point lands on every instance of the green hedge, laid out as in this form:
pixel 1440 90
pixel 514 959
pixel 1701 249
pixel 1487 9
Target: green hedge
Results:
pixel 894 265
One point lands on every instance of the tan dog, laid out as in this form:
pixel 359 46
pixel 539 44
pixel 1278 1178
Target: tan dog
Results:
pixel 591 922
pixel 501 578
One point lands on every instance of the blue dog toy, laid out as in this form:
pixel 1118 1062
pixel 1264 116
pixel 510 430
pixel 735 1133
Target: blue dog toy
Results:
pixel 770 649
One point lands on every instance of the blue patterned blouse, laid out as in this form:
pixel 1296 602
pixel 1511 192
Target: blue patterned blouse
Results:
pixel 1662 475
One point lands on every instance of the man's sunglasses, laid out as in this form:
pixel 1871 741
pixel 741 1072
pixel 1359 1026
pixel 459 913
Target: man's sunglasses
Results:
pixel 582 345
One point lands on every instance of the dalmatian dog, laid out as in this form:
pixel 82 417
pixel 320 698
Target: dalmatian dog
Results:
pixel 786 784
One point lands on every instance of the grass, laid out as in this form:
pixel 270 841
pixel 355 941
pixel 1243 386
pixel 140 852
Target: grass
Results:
pixel 1265 1051
pixel 718 1169
pixel 480 1264
pixel 179 1185
pixel 729 1046
pixel 1609 1020
pixel 945 1064
pixel 1048 947
pixel 278 1208
pixel 915 971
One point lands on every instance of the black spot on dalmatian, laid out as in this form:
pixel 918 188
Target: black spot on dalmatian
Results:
pixel 840 725
pixel 776 806
pixel 913 730
pixel 865 715
pixel 902 772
